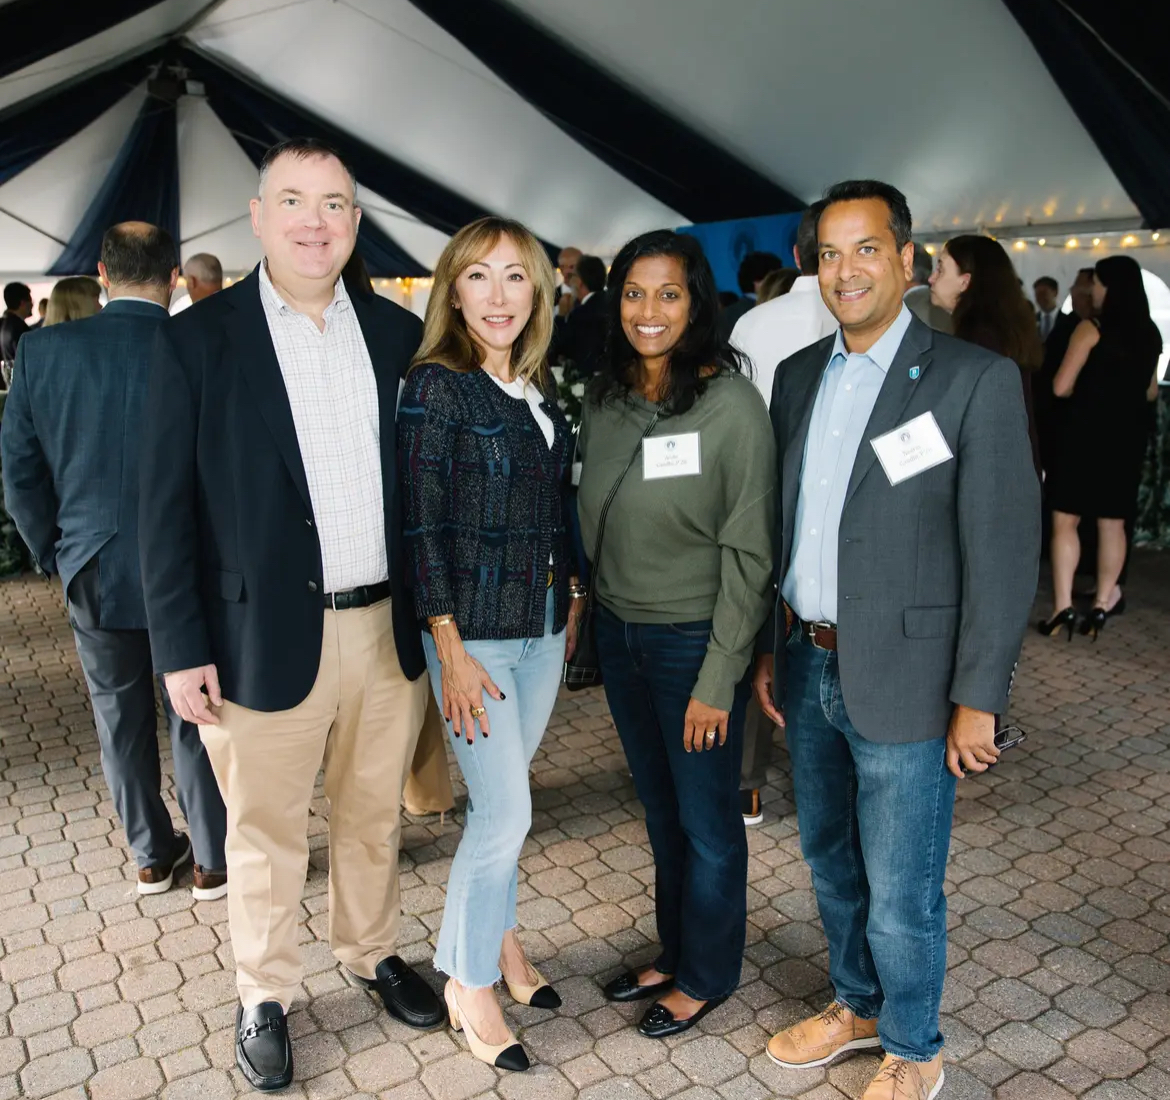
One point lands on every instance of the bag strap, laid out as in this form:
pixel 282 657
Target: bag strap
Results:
pixel 595 561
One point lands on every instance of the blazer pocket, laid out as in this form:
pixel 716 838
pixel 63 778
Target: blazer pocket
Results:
pixel 930 622
pixel 231 586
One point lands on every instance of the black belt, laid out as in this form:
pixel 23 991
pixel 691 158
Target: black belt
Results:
pixel 362 596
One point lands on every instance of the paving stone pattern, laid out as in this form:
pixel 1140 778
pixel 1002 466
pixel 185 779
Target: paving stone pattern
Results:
pixel 1059 884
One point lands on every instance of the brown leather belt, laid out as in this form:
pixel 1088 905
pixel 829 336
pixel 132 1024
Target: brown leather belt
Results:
pixel 822 635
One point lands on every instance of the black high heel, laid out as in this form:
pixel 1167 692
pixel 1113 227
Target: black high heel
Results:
pixel 1095 622
pixel 1066 619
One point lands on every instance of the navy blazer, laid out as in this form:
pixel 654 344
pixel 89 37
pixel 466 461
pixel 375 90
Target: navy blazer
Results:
pixel 231 559
pixel 72 426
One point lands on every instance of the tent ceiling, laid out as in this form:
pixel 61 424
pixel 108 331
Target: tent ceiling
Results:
pixel 979 133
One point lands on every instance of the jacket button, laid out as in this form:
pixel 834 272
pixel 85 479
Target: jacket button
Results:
pixel 312 586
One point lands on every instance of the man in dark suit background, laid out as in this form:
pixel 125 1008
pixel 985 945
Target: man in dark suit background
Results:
pixel 580 336
pixel 907 547
pixel 72 428
pixel 273 565
pixel 18 307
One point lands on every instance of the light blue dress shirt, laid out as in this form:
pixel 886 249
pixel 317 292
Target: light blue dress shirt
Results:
pixel 845 399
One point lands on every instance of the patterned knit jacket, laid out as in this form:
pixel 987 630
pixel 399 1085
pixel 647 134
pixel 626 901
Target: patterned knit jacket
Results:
pixel 485 501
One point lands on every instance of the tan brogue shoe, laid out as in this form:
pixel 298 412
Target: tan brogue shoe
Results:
pixel 902 1080
pixel 817 1041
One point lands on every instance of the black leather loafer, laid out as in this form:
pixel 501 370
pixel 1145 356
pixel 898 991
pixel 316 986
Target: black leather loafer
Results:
pixel 263 1048
pixel 404 993
pixel 625 987
pixel 659 1022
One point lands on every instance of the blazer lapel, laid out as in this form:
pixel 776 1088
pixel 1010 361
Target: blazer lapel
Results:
pixel 895 394
pixel 387 370
pixel 804 398
pixel 247 328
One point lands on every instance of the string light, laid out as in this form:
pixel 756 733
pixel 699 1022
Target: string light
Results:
pixel 930 250
pixel 1072 242
pixel 1128 240
pixel 1096 241
pixel 1155 236
pixel 1019 246
pixel 1042 242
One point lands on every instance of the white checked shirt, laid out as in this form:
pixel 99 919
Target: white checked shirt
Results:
pixel 334 397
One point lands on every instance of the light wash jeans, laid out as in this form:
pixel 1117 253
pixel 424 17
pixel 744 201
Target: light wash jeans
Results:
pixel 481 889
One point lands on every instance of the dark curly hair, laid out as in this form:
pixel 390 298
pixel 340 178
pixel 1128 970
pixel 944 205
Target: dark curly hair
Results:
pixel 700 348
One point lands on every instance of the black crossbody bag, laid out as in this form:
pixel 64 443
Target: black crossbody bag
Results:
pixel 583 670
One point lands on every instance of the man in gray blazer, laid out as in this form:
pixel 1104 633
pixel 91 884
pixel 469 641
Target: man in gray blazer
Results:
pixel 72 431
pixel 907 547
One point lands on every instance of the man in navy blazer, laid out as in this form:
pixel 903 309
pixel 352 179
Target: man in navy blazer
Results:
pixel 272 558
pixel 72 430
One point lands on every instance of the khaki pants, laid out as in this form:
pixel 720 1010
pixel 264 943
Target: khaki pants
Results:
pixel 361 720
pixel 428 787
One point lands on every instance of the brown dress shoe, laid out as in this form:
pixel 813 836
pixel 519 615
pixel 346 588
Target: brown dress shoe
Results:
pixel 902 1080
pixel 209 885
pixel 158 879
pixel 817 1041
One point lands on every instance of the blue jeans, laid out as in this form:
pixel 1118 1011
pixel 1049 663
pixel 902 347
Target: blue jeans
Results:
pixel 481 889
pixel 875 826
pixel 693 815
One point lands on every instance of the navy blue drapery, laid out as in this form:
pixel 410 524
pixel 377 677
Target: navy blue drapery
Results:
pixel 651 148
pixel 32 30
pixel 1105 59
pixel 142 185
pixel 29 132
pixel 384 257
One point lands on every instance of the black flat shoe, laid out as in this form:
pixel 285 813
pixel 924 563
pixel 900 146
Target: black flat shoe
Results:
pixel 406 996
pixel 263 1048
pixel 1062 620
pixel 1117 609
pixel 625 988
pixel 659 1021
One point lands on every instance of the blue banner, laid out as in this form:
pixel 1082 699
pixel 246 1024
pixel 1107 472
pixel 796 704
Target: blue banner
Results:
pixel 726 243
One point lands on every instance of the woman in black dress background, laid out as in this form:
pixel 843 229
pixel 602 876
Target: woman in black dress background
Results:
pixel 1105 379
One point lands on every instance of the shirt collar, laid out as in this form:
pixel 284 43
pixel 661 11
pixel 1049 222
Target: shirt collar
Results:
pixel 340 301
pixel 135 298
pixel 805 284
pixel 883 351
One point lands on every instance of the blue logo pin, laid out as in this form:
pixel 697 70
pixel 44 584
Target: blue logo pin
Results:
pixel 914 373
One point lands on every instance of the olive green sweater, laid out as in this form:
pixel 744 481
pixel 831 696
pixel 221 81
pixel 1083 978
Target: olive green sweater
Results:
pixel 684 549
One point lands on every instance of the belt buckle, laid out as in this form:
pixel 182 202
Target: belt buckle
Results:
pixel 812 629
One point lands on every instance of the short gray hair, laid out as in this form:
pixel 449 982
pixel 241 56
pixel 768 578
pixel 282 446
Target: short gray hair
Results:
pixel 204 266
pixel 302 148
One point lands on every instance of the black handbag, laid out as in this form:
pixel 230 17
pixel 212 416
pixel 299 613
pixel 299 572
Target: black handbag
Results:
pixel 583 670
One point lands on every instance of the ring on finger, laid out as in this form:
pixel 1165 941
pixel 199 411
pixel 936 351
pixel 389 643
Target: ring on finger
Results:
pixel 711 735
pixel 477 712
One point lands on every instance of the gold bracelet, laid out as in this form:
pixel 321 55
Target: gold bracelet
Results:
pixel 442 620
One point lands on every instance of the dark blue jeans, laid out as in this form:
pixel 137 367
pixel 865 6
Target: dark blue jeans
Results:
pixel 875 826
pixel 693 815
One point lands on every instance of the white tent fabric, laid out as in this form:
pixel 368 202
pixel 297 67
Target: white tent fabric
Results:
pixel 981 137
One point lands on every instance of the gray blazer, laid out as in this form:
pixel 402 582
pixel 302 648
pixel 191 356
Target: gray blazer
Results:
pixel 937 574
pixel 71 439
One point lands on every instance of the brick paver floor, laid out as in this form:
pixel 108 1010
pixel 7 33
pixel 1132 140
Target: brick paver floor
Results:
pixel 1059 883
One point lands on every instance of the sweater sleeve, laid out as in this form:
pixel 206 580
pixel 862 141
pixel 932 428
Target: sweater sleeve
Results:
pixel 426 442
pixel 747 459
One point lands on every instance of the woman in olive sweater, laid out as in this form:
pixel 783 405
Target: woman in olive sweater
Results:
pixel 683 584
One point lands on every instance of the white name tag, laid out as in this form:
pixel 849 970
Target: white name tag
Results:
pixel 671 456
pixel 911 448
pixel 575 476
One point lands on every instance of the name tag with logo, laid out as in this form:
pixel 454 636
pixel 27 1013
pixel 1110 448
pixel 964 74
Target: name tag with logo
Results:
pixel 671 456
pixel 911 448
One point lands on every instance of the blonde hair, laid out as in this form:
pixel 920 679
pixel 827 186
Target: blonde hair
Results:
pixel 446 338
pixel 73 299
